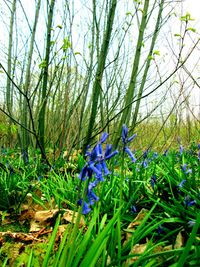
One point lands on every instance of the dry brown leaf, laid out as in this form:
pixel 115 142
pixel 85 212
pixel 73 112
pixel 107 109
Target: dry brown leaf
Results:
pixel 70 216
pixel 139 218
pixel 136 222
pixel 42 219
pixel 22 237
pixel 137 249
pixel 179 240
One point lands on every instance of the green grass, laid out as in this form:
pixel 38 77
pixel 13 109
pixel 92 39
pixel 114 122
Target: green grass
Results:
pixel 169 207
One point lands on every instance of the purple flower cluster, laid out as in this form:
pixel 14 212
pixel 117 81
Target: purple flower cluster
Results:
pixel 95 167
pixel 126 140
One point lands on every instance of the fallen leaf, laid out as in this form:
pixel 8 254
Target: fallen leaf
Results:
pixel 71 216
pixel 179 240
pixel 42 219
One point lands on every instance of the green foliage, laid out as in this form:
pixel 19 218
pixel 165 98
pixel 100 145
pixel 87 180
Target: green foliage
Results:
pixel 13 190
pixel 43 64
pixel 166 204
pixel 156 52
pixel 191 29
pixel 66 44
pixel 186 18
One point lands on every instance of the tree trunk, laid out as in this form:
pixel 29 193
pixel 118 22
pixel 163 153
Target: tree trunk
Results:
pixel 25 134
pixel 99 73
pixel 9 94
pixel 41 123
pixel 148 62
pixel 126 114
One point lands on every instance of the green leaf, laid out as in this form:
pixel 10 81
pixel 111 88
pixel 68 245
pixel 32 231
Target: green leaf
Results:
pixel 59 26
pixel 77 53
pixel 43 64
pixel 151 58
pixel 156 52
pixel 66 44
pixel 191 29
pixel 52 42
pixel 51 243
pixel 97 246
pixel 186 18
pixel 177 35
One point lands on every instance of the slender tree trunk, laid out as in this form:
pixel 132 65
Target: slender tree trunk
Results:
pixel 9 94
pixel 99 73
pixel 148 62
pixel 126 115
pixel 41 124
pixel 25 134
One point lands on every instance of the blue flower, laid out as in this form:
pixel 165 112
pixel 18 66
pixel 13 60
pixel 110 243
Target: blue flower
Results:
pixel 103 137
pixel 145 163
pixel 153 180
pixel 25 156
pixel 128 151
pixel 181 183
pixel 86 209
pixel 133 209
pixel 191 223
pixel 92 197
pixel 185 170
pixel 181 149
pixel 188 202
pixel 145 154
pixel 160 229
pixel 126 140
pixel 165 153
pixel 95 167
pixel 155 155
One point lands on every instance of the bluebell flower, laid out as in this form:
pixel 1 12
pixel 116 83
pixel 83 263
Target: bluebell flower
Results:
pixel 188 202
pixel 145 163
pixel 97 171
pixel 108 152
pixel 191 223
pixel 181 149
pixel 145 154
pixel 84 173
pixel 25 156
pixel 85 209
pixel 165 152
pixel 198 155
pixel 133 209
pixel 103 137
pixel 95 167
pixel 92 185
pixel 153 180
pixel 160 229
pixel 198 146
pixel 155 155
pixel 185 170
pixel 128 151
pixel 92 197
pixel 126 140
pixel 181 183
